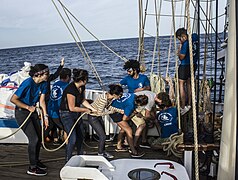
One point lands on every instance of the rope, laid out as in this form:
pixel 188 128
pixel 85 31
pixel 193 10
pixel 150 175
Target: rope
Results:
pixel 193 93
pixel 171 145
pixel 104 45
pixel 70 132
pixel 87 60
pixel 18 129
pixel 176 68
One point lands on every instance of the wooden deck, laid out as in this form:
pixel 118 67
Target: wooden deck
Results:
pixel 14 159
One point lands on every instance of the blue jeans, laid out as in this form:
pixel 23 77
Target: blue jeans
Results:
pixel 32 130
pixel 76 138
pixel 98 126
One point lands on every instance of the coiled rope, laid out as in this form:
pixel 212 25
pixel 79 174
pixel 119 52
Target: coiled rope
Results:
pixel 171 145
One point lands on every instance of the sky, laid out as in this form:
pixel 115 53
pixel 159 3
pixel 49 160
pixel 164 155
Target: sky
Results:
pixel 37 22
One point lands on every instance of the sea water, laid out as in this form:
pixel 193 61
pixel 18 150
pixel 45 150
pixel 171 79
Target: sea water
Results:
pixel 108 65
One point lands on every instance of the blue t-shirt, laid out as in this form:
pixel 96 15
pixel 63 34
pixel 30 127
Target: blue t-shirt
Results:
pixel 55 98
pixel 185 50
pixel 126 103
pixel 29 92
pixel 168 121
pixel 133 84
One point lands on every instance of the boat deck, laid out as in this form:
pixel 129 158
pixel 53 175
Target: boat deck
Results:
pixel 14 159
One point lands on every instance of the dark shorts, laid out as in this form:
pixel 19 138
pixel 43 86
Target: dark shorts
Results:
pixel 184 71
pixel 116 117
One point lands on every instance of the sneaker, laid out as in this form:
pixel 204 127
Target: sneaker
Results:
pixel 106 155
pixel 137 155
pixel 36 171
pixel 145 145
pixel 41 166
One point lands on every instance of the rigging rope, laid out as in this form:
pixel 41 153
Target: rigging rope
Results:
pixel 85 58
pixel 176 68
pixel 122 58
pixel 193 93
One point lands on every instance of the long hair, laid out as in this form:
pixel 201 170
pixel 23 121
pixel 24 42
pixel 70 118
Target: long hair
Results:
pixel 38 69
pixel 80 75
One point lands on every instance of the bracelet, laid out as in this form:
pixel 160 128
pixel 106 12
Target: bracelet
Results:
pixel 46 116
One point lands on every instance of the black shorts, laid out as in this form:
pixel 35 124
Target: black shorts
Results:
pixel 116 117
pixel 184 71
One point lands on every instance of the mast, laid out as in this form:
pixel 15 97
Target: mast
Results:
pixel 227 168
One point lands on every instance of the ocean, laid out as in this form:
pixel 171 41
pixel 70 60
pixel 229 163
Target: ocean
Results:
pixel 107 64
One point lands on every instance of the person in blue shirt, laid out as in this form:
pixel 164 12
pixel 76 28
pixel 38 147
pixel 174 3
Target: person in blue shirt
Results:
pixel 184 72
pixel 54 103
pixel 166 119
pixel 31 91
pixel 135 81
pixel 126 102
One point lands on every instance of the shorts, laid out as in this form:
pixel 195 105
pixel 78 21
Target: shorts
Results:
pixel 116 117
pixel 138 120
pixel 184 71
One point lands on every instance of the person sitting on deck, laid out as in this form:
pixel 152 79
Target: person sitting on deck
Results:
pixel 166 118
pixel 184 72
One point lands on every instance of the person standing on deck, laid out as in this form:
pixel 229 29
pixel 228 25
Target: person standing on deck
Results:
pixel 52 77
pixel 54 103
pixel 32 90
pixel 184 73
pixel 70 109
pixel 136 82
pixel 102 103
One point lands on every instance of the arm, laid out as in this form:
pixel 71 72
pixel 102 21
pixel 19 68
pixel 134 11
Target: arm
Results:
pixel 114 109
pixel 15 100
pixel 142 89
pixel 87 105
pixel 72 107
pixel 43 107
pixel 57 72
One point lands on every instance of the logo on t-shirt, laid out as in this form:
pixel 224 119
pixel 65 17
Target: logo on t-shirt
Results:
pixel 165 118
pixel 56 93
pixel 140 85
